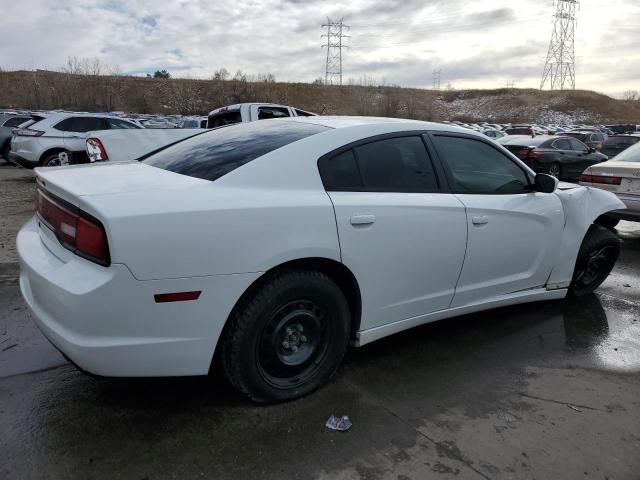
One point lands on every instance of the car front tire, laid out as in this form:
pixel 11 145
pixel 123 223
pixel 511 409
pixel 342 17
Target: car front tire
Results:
pixel 597 257
pixel 287 338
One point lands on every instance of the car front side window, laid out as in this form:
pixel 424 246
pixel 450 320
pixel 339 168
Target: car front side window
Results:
pixel 475 167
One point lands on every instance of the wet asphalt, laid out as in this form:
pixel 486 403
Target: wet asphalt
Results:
pixel 541 391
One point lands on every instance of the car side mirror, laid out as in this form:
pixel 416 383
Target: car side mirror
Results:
pixel 592 150
pixel 544 183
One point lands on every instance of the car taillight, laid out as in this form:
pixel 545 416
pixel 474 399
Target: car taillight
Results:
pixel 601 179
pixel 534 155
pixel 27 132
pixel 76 230
pixel 96 151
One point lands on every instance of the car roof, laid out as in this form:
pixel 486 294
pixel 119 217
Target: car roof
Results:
pixel 527 140
pixel 337 122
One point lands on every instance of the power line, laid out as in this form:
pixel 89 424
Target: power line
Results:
pixel 560 66
pixel 334 46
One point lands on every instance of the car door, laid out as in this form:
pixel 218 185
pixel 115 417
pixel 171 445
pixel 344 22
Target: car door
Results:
pixel 512 230
pixel 402 234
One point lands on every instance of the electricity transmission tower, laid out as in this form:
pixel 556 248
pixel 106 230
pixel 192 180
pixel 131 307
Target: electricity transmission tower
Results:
pixel 436 79
pixel 334 46
pixel 560 66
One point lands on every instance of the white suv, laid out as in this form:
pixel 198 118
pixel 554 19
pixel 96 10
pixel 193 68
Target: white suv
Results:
pixel 42 143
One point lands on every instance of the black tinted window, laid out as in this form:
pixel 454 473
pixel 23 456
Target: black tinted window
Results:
pixel 213 154
pixel 15 121
pixel 82 124
pixel 562 144
pixel 577 145
pixel 396 165
pixel 475 167
pixel 264 113
pixel 341 172
pixel 221 119
pixel 391 165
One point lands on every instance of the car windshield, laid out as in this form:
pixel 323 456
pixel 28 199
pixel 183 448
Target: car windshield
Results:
pixel 215 153
pixel 631 154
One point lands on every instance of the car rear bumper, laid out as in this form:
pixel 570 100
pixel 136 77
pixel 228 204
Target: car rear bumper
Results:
pixel 108 323
pixel 632 212
pixel 22 161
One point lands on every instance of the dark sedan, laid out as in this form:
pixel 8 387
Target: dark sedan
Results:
pixel 618 143
pixel 563 157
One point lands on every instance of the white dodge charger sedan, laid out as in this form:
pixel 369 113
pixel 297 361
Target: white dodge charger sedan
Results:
pixel 270 246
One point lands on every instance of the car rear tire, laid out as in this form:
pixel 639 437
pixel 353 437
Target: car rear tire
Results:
pixel 5 152
pixel 51 160
pixel 287 338
pixel 555 170
pixel 597 256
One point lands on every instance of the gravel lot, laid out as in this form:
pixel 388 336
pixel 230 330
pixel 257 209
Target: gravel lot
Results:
pixel 17 199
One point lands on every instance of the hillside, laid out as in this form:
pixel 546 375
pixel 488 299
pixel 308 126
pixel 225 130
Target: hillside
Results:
pixel 52 90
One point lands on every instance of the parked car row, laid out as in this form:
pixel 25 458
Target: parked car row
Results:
pixel 71 138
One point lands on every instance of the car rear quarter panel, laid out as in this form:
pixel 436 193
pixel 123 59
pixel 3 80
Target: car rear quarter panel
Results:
pixel 213 230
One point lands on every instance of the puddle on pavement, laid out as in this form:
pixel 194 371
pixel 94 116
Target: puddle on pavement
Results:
pixel 606 329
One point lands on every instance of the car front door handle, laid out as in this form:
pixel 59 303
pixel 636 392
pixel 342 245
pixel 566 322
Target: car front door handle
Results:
pixel 480 220
pixel 362 219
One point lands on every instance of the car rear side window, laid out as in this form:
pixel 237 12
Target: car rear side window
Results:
pixel 82 124
pixel 398 164
pixel 562 144
pixel 577 145
pixel 265 113
pixel 16 121
pixel 215 153
pixel 478 168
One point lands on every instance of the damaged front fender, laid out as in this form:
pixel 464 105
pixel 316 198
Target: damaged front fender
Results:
pixel 582 206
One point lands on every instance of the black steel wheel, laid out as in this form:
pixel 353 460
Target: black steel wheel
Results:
pixel 288 338
pixel 597 257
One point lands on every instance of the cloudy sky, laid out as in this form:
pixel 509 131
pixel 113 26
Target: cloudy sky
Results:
pixel 476 44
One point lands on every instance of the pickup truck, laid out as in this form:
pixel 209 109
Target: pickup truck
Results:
pixel 250 112
pixel 123 145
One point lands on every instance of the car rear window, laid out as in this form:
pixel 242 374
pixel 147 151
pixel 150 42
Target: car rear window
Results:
pixel 15 121
pixel 215 153
pixel 227 118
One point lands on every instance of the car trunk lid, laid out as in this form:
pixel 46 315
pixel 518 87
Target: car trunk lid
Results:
pixel 72 182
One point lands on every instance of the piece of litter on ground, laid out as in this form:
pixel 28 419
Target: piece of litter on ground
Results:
pixel 574 408
pixel 626 285
pixel 10 346
pixel 341 424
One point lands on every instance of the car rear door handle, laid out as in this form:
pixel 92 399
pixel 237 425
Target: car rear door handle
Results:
pixel 362 219
pixel 480 220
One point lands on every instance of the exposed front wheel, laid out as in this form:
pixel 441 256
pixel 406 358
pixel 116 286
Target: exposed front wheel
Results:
pixel 288 338
pixel 597 256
